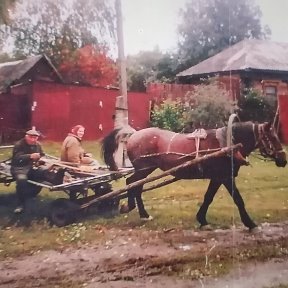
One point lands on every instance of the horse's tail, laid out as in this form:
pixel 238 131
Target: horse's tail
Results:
pixel 109 146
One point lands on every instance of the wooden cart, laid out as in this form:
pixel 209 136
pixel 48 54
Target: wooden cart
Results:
pixel 66 210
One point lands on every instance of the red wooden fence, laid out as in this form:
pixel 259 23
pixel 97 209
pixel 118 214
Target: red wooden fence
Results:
pixel 283 109
pixel 59 107
pixel 55 108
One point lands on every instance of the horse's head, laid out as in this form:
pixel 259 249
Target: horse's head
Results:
pixel 269 144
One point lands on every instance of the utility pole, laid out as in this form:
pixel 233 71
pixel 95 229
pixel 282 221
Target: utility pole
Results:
pixel 121 113
pixel 121 106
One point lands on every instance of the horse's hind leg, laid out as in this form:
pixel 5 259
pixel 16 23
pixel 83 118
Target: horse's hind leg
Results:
pixel 136 194
pixel 238 200
pixel 208 198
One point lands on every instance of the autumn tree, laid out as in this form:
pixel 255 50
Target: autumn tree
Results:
pixel 90 65
pixel 209 26
pixel 57 28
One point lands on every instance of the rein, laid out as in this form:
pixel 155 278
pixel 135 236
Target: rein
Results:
pixel 178 154
pixel 261 158
pixel 182 156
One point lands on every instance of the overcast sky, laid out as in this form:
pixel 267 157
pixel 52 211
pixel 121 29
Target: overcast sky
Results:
pixel 151 23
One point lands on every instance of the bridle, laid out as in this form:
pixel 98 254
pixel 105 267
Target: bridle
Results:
pixel 264 143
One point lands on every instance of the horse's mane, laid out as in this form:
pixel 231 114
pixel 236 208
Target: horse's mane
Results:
pixel 109 146
pixel 243 133
pixel 242 127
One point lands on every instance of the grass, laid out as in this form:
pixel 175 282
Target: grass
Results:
pixel 263 187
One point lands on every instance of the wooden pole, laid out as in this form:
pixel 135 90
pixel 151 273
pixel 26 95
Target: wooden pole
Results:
pixel 121 107
pixel 121 113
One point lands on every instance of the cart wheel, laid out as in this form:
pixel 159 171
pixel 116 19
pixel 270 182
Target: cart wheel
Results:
pixel 108 207
pixel 63 212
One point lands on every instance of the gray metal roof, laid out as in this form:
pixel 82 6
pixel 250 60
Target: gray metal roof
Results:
pixel 10 72
pixel 247 54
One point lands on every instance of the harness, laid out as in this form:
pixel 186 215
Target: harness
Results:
pixel 263 142
pixel 197 135
pixel 223 135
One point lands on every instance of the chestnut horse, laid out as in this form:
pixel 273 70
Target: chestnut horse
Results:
pixel 153 148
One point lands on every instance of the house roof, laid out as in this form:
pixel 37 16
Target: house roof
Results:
pixel 245 55
pixel 10 72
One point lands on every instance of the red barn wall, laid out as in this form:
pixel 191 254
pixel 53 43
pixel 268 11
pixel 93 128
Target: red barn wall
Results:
pixel 6 112
pixel 15 113
pixel 50 110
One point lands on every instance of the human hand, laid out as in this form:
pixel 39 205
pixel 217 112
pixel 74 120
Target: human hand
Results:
pixel 43 161
pixel 35 156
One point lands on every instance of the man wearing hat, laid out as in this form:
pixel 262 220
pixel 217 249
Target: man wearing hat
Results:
pixel 26 153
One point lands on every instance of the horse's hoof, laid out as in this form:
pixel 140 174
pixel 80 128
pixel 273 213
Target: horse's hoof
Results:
pixel 19 209
pixel 150 218
pixel 206 227
pixel 124 208
pixel 255 230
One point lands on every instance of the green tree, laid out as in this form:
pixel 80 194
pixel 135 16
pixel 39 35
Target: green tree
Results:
pixel 141 68
pixel 150 66
pixel 57 28
pixel 209 26
pixel 5 6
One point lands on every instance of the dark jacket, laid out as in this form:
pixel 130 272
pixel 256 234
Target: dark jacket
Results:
pixel 21 155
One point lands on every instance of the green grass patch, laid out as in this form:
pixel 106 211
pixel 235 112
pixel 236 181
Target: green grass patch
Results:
pixel 263 187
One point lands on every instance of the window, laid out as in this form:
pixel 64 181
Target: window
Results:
pixel 271 95
pixel 271 91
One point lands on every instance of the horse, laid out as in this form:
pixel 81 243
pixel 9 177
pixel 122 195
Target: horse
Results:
pixel 152 148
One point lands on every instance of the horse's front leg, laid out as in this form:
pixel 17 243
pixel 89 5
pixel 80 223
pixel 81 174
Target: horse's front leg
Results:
pixel 136 194
pixel 208 198
pixel 238 200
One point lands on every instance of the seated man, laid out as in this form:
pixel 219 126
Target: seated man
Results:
pixel 26 153
pixel 72 150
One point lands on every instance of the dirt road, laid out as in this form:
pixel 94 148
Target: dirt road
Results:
pixel 174 258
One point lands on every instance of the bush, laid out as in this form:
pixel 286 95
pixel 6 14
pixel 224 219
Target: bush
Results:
pixel 254 107
pixel 169 115
pixel 210 106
